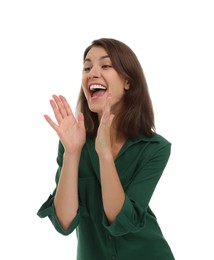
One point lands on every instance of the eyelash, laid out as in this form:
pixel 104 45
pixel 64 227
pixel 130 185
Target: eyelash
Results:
pixel 106 66
pixel 86 69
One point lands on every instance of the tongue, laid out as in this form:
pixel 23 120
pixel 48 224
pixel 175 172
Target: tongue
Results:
pixel 99 93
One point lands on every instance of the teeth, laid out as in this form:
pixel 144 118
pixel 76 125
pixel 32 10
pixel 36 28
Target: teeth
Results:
pixel 94 87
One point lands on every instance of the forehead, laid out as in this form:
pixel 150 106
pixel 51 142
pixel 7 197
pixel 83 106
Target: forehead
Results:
pixel 96 53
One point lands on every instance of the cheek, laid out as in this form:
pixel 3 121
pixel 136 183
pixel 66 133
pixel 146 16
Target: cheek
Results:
pixel 84 86
pixel 84 80
pixel 119 92
pixel 85 93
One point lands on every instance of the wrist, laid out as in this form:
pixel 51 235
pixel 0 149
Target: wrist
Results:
pixel 70 155
pixel 106 156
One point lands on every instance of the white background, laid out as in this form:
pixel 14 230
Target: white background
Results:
pixel 41 47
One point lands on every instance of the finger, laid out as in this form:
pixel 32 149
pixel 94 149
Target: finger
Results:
pixel 80 119
pixel 60 106
pixel 108 100
pixel 111 119
pixel 66 105
pixel 107 106
pixel 56 111
pixel 51 122
pixel 106 118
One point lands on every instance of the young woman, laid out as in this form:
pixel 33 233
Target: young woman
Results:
pixel 109 160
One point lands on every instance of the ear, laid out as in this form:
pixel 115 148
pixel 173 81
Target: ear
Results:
pixel 127 85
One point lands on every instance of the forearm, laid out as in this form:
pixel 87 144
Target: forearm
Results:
pixel 112 191
pixel 66 198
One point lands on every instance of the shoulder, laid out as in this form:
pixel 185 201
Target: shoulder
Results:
pixel 155 145
pixel 156 150
pixel 156 138
pixel 149 146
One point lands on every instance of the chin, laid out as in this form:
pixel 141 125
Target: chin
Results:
pixel 96 109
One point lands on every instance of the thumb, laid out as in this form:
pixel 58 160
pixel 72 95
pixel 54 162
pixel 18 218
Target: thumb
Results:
pixel 80 120
pixel 111 118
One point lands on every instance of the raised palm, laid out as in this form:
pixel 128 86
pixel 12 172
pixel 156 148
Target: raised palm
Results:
pixel 70 130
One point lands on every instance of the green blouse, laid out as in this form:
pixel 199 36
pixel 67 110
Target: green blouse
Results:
pixel 135 233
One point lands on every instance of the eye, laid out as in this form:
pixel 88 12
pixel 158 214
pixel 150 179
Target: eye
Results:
pixel 86 69
pixel 106 66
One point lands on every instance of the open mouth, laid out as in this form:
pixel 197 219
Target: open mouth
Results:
pixel 97 90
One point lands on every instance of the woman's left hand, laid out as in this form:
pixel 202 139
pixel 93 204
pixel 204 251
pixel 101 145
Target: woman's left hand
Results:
pixel 103 139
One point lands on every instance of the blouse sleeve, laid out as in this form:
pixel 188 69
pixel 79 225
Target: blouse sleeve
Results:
pixel 131 218
pixel 47 209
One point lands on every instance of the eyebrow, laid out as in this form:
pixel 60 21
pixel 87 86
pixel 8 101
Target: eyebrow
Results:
pixel 101 58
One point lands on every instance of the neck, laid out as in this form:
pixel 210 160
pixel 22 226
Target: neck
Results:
pixel 115 136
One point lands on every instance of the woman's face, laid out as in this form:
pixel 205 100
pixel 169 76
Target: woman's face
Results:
pixel 100 78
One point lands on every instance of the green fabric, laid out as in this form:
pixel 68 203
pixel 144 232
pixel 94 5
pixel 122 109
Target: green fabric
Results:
pixel 135 233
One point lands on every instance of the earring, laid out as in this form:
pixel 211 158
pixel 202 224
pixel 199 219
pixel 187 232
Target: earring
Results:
pixel 127 87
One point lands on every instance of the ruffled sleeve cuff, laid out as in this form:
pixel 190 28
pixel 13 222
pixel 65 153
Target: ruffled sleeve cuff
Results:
pixel 129 220
pixel 47 210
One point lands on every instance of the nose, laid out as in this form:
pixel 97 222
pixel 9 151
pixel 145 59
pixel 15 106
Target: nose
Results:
pixel 94 72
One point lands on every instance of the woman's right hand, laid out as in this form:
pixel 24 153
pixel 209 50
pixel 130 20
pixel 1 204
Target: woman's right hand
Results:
pixel 70 130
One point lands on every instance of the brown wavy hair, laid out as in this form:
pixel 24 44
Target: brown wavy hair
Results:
pixel 137 115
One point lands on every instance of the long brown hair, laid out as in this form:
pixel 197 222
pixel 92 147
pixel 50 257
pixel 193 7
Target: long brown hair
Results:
pixel 137 116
